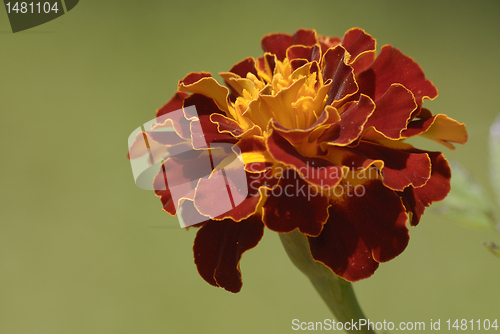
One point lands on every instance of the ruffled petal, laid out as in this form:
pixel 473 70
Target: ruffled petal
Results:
pixel 399 168
pixel 218 248
pixel 244 67
pixel 304 140
pixel 188 215
pixel 178 176
pixel 393 111
pixel 353 117
pixel 391 66
pixel 316 171
pixel 160 184
pixel 265 66
pixel 309 53
pixel 436 189
pixel 175 103
pixel 342 76
pixel 361 47
pixel 254 154
pixel 142 145
pixel 327 42
pixel 439 128
pixel 171 114
pixel 354 241
pixel 294 204
pixel 231 192
pixel 205 85
pixel 205 133
pixel 278 43
pixel 204 105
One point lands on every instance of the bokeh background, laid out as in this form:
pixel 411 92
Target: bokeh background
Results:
pixel 83 250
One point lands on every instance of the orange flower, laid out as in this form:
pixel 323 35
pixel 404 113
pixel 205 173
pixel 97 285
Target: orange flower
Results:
pixel 318 125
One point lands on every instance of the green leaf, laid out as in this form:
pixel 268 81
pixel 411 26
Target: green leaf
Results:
pixel 495 158
pixel 492 248
pixel 467 202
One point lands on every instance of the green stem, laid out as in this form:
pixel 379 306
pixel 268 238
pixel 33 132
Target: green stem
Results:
pixel 335 291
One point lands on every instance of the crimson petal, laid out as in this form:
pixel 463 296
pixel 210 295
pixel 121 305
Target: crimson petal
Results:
pixel 353 242
pixel 241 69
pixel 436 189
pixel 317 171
pixel 393 111
pixel 179 175
pixel 218 248
pixel 294 204
pixel 193 77
pixel 175 103
pixel 401 168
pixel 278 43
pixel 327 42
pixel 205 132
pixel 310 53
pixel 334 68
pixel 231 193
pixel 392 66
pixel 203 104
pixel 351 124
pixel 244 67
pixel 361 46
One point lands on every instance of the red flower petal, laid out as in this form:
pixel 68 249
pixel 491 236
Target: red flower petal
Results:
pixel 203 104
pixel 143 145
pixel 160 184
pixel 218 248
pixel 334 68
pixel 193 77
pixel 400 168
pixel 241 69
pixel 361 47
pixel 294 204
pixel 351 124
pixel 316 171
pixel 266 65
pixel 328 42
pixel 300 136
pixel 278 43
pixel 254 154
pixel 205 132
pixel 439 128
pixel 189 216
pixel 175 103
pixel 230 193
pixel 179 176
pixel 354 240
pixel 391 66
pixel 177 119
pixel 244 67
pixel 393 111
pixel 436 189
pixel 226 125
pixel 172 195
pixel 204 84
pixel 310 53
pixel 164 137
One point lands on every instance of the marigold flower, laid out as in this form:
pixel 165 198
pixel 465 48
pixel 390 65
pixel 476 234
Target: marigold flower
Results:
pixel 320 125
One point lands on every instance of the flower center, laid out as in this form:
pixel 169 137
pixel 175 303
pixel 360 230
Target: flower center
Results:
pixel 294 99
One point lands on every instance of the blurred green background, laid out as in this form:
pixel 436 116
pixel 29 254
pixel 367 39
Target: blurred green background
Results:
pixel 83 250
